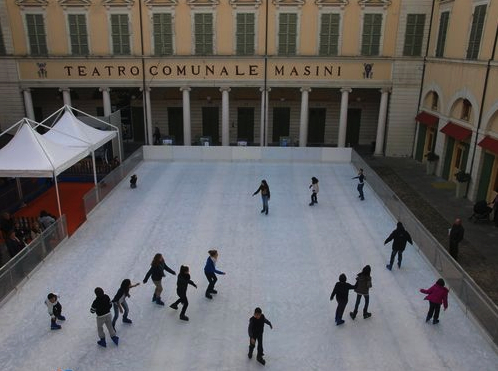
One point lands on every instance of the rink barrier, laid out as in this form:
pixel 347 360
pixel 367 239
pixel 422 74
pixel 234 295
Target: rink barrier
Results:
pixel 21 266
pixel 473 299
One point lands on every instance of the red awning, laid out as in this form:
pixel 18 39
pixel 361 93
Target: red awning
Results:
pixel 490 144
pixel 456 131
pixel 427 119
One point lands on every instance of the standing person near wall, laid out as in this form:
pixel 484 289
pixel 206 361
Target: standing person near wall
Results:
pixel 156 271
pixel 399 237
pixel 255 330
pixel 314 190
pixel 210 271
pixel 181 290
pixel 265 195
pixel 119 302
pixel 341 292
pixel 363 285
pixel 361 180
pixel 494 205
pixel 436 295
pixel 101 306
pixel 456 236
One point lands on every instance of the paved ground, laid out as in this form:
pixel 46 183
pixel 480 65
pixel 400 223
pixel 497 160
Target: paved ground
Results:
pixel 432 200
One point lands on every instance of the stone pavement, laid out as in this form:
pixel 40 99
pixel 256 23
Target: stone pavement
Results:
pixel 432 200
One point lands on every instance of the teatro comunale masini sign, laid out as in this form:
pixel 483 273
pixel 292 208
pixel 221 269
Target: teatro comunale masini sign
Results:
pixel 203 69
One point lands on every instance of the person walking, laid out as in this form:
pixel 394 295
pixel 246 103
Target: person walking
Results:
pixel 361 183
pixel 265 195
pixel 210 271
pixel 119 302
pixel 436 295
pixel 456 236
pixel 101 306
pixel 341 292
pixel 181 289
pixel 156 271
pixel 255 330
pixel 399 237
pixel 363 285
pixel 314 190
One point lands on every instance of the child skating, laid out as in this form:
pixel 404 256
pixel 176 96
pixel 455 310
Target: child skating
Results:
pixel 363 285
pixel 119 302
pixel 314 190
pixel 210 271
pixel 265 195
pixel 181 289
pixel 341 292
pixel 101 306
pixel 156 271
pixel 54 310
pixel 255 330
pixel 436 295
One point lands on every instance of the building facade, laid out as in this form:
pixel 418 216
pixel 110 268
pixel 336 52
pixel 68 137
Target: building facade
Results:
pixel 307 73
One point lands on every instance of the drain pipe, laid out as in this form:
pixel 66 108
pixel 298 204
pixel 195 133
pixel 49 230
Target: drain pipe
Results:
pixel 265 87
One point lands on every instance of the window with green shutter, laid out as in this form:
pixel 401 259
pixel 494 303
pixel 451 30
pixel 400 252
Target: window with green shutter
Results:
pixel 2 44
pixel 476 31
pixel 37 37
pixel 120 34
pixel 163 34
pixel 203 30
pixel 78 34
pixel 441 36
pixel 372 28
pixel 414 35
pixel 287 33
pixel 245 34
pixel 329 34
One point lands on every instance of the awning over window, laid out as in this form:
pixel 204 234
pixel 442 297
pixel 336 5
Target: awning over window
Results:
pixel 456 131
pixel 490 144
pixel 427 119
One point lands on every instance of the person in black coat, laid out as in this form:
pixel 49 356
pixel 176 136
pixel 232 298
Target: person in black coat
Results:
pixel 265 195
pixel 361 183
pixel 133 181
pixel 14 244
pixel 456 236
pixel 399 237
pixel 101 306
pixel 255 330
pixel 341 292
pixel 156 271
pixel 181 289
pixel 6 225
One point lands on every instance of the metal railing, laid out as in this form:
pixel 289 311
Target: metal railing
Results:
pixel 107 184
pixel 472 297
pixel 20 266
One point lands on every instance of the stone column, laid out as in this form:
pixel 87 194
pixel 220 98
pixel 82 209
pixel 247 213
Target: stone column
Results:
pixel 106 101
pixel 116 142
pixel 187 139
pixel 66 96
pixel 381 123
pixel 263 129
pixel 225 126
pixel 28 104
pixel 148 116
pixel 343 119
pixel 303 124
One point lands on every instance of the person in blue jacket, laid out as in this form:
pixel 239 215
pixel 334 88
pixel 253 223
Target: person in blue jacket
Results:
pixel 210 271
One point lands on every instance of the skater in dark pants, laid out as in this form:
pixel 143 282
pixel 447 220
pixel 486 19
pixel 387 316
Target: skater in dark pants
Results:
pixel 363 284
pixel 361 179
pixel 265 195
pixel 314 190
pixel 181 289
pixel 436 295
pixel 456 236
pixel 119 302
pixel 210 271
pixel 156 271
pixel 101 306
pixel 256 327
pixel 55 311
pixel 341 292
pixel 399 237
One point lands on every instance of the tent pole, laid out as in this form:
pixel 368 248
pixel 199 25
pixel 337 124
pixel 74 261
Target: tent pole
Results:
pixel 57 193
pixel 94 168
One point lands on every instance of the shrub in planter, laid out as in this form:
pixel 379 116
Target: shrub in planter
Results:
pixel 462 176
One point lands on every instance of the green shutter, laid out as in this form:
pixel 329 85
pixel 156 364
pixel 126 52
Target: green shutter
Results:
pixel 2 44
pixel 372 28
pixel 414 34
pixel 245 34
pixel 448 157
pixel 485 179
pixel 163 33
pixel 329 34
pixel 203 29
pixel 476 31
pixel 287 34
pixel 36 34
pixel 78 34
pixel 441 37
pixel 419 152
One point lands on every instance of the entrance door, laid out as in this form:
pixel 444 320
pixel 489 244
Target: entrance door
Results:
pixel 245 124
pixel 485 180
pixel 175 124
pixel 281 123
pixel 210 124
pixel 448 158
pixel 137 119
pixel 353 129
pixel 316 126
pixel 419 153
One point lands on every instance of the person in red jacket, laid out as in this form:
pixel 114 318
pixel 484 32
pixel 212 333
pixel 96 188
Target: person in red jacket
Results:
pixel 437 295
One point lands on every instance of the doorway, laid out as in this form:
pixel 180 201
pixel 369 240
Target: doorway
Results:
pixel 175 124
pixel 316 126
pixel 245 124
pixel 210 124
pixel 353 127
pixel 281 123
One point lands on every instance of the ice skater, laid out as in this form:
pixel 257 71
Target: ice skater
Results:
pixel 363 285
pixel 265 195
pixel 133 181
pixel 101 306
pixel 156 271
pixel 341 292
pixel 54 310
pixel 210 271
pixel 361 179
pixel 255 330
pixel 436 295
pixel 181 289
pixel 399 237
pixel 314 190
pixel 119 302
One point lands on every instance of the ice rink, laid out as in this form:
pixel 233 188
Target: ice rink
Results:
pixel 287 263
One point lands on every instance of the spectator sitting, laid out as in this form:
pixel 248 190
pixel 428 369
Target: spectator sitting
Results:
pixel 35 230
pixel 14 245
pixel 6 225
pixel 46 220
pixel 133 181
pixel 21 233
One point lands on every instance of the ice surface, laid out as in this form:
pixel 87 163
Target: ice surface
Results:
pixel 287 263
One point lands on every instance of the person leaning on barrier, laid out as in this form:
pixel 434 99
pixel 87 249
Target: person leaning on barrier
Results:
pixel 456 236
pixel 14 244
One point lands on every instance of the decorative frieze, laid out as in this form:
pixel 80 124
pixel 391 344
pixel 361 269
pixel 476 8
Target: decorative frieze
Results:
pixel 202 3
pixel 379 3
pixel 151 4
pixel 295 3
pixel 245 3
pixel 118 3
pixel 32 3
pixel 331 3
pixel 75 3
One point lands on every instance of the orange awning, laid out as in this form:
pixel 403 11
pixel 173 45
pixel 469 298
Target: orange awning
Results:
pixel 427 119
pixel 490 144
pixel 456 131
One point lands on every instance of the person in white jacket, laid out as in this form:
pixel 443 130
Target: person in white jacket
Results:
pixel 314 190
pixel 54 310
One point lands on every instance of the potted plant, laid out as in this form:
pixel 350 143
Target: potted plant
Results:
pixel 463 179
pixel 431 163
